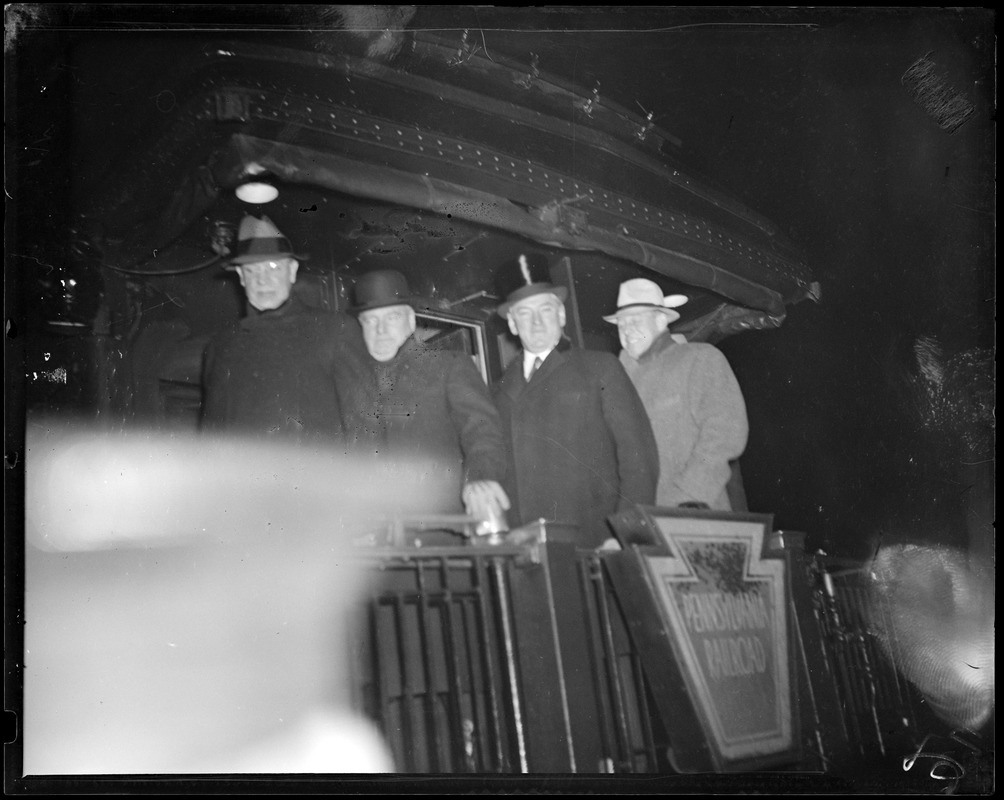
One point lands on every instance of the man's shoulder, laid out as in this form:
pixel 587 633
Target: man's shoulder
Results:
pixel 335 320
pixel 704 352
pixel 510 374
pixel 597 361
pixel 435 359
pixel 699 347
pixel 225 335
pixel 333 331
pixel 690 351
pixel 455 362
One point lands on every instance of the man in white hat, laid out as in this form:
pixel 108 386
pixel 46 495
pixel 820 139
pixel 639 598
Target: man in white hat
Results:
pixel 580 444
pixel 274 374
pixel 691 395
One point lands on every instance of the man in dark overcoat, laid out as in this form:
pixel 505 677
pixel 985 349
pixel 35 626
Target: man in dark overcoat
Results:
pixel 410 401
pixel 580 443
pixel 273 374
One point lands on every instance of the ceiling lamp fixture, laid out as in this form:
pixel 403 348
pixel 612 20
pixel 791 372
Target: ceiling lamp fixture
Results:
pixel 257 187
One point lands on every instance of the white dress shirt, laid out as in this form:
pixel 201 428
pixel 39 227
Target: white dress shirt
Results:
pixel 529 358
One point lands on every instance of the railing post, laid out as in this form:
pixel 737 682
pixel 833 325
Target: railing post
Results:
pixel 561 712
pixel 822 719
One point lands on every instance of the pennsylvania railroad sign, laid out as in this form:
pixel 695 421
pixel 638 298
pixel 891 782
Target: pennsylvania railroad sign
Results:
pixel 728 622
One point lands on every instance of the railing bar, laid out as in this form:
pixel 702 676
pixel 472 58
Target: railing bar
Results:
pixel 487 654
pixel 817 597
pixel 449 642
pixel 592 583
pixel 854 656
pixel 863 678
pixel 807 677
pixel 871 693
pixel 407 697
pixel 623 743
pixel 379 696
pixel 429 700
pixel 823 622
pixel 478 721
pixel 643 711
pixel 852 642
pixel 460 557
pixel 887 679
pixel 836 637
pixel 510 661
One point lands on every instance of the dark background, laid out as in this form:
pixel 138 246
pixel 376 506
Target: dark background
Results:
pixel 803 114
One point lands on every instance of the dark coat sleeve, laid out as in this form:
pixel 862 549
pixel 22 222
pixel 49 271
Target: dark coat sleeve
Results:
pixel 637 453
pixel 477 423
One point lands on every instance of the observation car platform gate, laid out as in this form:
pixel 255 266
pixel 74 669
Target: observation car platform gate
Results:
pixel 513 655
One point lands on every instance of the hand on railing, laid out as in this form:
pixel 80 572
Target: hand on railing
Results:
pixel 488 502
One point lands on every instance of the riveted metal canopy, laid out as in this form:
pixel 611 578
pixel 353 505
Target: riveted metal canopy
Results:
pixel 502 153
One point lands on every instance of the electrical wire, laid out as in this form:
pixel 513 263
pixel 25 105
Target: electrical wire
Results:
pixel 132 271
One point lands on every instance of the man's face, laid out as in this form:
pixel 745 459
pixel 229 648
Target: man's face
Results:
pixel 386 329
pixel 267 284
pixel 538 321
pixel 639 329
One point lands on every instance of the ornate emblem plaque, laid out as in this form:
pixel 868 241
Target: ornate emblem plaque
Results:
pixel 720 603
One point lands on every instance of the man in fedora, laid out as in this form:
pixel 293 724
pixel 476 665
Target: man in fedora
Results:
pixel 411 401
pixel 690 393
pixel 273 374
pixel 580 444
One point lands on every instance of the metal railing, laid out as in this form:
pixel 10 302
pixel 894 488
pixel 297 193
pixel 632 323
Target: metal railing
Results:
pixel 435 663
pixel 880 708
pixel 626 716
pixel 438 663
pixel 515 657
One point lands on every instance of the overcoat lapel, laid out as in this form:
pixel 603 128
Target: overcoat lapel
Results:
pixel 516 386
pixel 543 375
pixel 513 383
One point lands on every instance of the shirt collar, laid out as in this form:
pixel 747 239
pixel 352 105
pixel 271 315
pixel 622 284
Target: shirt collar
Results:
pixel 529 358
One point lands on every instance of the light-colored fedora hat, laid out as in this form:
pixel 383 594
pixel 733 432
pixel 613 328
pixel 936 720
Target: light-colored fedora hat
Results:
pixel 643 293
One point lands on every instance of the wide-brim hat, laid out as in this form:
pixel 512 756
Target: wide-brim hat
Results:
pixel 258 239
pixel 379 288
pixel 643 293
pixel 528 276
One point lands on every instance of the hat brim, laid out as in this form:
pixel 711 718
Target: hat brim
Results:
pixel 414 302
pixel 251 258
pixel 561 292
pixel 669 312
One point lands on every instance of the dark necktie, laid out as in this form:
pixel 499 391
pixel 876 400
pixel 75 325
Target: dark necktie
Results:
pixel 534 367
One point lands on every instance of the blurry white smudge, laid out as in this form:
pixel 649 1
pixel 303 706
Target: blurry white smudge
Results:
pixel 189 603
pixel 382 27
pixel 87 489
pixel 934 618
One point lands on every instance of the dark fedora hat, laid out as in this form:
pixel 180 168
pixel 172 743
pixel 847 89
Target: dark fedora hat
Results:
pixel 260 240
pixel 526 276
pixel 379 288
